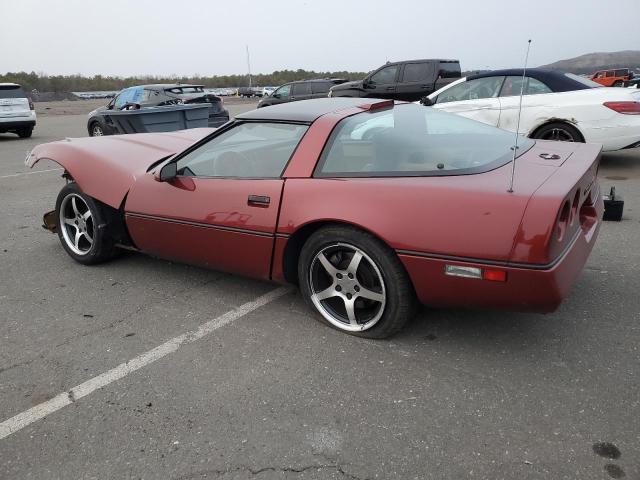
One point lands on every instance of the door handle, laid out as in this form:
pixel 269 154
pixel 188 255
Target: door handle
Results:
pixel 258 200
pixel 391 88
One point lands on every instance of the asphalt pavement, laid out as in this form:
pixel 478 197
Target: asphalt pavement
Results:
pixel 145 369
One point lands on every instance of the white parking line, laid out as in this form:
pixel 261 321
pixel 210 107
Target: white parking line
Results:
pixel 32 173
pixel 14 424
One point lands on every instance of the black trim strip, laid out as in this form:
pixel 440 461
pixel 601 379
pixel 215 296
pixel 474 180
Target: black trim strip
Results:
pixel 283 235
pixel 497 263
pixel 197 224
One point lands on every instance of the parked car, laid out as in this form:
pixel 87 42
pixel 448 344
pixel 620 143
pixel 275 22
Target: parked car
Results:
pixel 409 80
pixel 266 91
pixel 555 106
pixel 17 113
pixel 616 77
pixel 250 92
pixel 403 202
pixel 300 90
pixel 154 96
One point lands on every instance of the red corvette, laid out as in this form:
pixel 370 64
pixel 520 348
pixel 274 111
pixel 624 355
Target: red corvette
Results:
pixel 366 204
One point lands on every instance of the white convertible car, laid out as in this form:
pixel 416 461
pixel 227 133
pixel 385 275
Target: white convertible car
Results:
pixel 556 106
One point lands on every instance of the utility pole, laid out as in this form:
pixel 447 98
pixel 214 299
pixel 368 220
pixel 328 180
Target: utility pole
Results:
pixel 248 65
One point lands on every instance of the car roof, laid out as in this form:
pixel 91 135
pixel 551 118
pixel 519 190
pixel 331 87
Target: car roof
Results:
pixel 433 60
pixel 305 110
pixel 8 84
pixel 167 86
pixel 556 81
pixel 333 80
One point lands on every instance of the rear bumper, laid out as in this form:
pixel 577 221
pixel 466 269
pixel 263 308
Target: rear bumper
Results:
pixel 218 119
pixel 7 125
pixel 536 288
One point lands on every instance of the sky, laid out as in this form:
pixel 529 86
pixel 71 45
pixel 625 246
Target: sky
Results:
pixel 162 37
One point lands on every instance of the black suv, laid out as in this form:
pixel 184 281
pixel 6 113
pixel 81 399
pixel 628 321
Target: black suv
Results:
pixel 157 96
pixel 409 80
pixel 300 90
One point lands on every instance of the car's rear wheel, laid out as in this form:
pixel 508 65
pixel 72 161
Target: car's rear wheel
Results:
pixel 25 132
pixel 618 83
pixel 355 282
pixel 82 226
pixel 560 132
pixel 96 130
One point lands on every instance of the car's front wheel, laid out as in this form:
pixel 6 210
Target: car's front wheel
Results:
pixel 355 282
pixel 96 130
pixel 82 226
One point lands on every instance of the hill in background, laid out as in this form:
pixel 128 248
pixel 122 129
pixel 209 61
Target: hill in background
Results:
pixel 592 62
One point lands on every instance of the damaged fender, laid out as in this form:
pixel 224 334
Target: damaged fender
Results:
pixel 105 168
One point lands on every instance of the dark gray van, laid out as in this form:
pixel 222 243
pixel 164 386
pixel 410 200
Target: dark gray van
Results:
pixel 300 90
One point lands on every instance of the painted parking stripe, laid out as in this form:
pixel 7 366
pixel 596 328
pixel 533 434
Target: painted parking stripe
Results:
pixel 32 173
pixel 17 423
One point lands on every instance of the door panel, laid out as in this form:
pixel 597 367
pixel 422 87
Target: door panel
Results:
pixel 417 79
pixel 485 110
pixel 206 221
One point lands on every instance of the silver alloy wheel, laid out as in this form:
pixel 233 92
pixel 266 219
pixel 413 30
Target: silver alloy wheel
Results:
pixel 96 130
pixel 347 287
pixel 76 223
pixel 559 135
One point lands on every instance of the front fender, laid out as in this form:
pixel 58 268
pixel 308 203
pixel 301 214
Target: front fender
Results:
pixel 105 168
pixel 109 185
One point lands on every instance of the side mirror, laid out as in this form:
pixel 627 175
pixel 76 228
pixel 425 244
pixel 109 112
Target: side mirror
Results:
pixel 275 95
pixel 426 101
pixel 366 83
pixel 167 173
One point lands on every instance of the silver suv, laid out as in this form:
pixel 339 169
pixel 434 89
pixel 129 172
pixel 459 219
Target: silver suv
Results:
pixel 17 114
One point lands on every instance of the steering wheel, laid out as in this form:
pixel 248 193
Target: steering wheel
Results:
pixel 232 164
pixel 130 106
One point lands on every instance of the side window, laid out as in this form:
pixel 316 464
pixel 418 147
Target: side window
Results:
pixel 610 73
pixel 513 85
pixel 486 87
pixel 417 72
pixel 622 73
pixel 248 150
pixel 300 89
pixel 600 75
pixel 536 87
pixel 320 87
pixel 284 91
pixel 386 75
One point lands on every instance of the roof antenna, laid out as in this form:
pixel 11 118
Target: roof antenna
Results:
pixel 515 147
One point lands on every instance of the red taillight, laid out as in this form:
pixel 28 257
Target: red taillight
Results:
pixel 494 275
pixel 626 108
pixel 31 107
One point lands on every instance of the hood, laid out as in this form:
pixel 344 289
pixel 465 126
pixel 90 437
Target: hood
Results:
pixel 106 167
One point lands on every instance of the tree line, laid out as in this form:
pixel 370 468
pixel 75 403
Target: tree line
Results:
pixel 80 83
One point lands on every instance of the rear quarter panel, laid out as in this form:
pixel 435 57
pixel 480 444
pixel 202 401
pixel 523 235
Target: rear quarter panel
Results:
pixel 469 216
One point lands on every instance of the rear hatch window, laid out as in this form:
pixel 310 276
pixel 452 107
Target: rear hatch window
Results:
pixel 12 91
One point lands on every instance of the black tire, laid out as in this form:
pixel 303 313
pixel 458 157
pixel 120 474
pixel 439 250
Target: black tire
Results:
pixel 558 131
pixel 95 227
pixel 618 83
pixel 94 128
pixel 379 270
pixel 25 132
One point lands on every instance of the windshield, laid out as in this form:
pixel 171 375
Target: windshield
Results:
pixel 583 80
pixel 412 140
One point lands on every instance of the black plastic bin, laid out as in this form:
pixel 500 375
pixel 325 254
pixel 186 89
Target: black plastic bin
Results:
pixel 159 119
